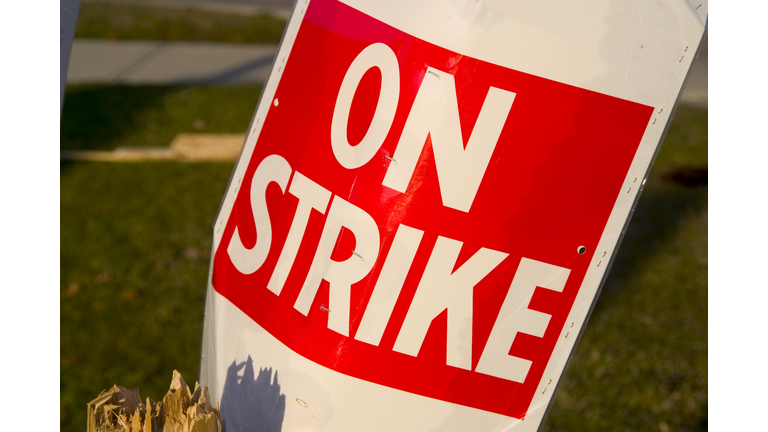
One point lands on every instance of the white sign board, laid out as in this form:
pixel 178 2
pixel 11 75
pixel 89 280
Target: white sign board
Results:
pixel 426 204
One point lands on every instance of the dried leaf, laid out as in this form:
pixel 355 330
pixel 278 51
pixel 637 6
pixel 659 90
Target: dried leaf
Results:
pixel 120 410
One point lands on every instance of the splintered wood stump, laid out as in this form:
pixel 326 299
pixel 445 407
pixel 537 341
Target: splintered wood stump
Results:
pixel 120 410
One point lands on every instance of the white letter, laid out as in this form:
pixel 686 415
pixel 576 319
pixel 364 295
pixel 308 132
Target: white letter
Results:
pixel 441 289
pixel 311 196
pixel 340 275
pixel 389 284
pixel 272 169
pixel 375 55
pixel 435 113
pixel 515 317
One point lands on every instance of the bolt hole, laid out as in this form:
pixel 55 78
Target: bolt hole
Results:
pixel 581 250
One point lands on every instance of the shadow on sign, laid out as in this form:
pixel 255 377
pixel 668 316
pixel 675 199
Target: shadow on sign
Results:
pixel 252 403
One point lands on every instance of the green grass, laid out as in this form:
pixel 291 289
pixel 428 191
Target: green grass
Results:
pixel 142 22
pixel 136 237
pixel 135 243
pixel 106 117
pixel 686 140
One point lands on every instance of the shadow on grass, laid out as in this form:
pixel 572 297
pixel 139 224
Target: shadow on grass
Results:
pixel 676 189
pixel 108 117
pixel 658 215
pixel 96 116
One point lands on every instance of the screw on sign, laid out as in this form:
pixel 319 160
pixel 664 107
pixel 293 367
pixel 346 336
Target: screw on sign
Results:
pixel 416 224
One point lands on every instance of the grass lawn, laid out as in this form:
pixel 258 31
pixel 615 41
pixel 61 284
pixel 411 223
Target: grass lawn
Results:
pixel 108 20
pixel 135 243
pixel 105 117
pixel 136 238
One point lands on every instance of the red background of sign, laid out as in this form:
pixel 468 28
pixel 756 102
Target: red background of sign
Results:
pixel 550 186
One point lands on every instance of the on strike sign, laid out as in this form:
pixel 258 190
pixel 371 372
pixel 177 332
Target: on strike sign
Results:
pixel 414 218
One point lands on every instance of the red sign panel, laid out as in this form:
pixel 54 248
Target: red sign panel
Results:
pixel 421 219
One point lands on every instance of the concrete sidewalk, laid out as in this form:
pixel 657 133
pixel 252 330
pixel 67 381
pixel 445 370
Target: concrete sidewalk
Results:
pixel 159 63
pixel 162 63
